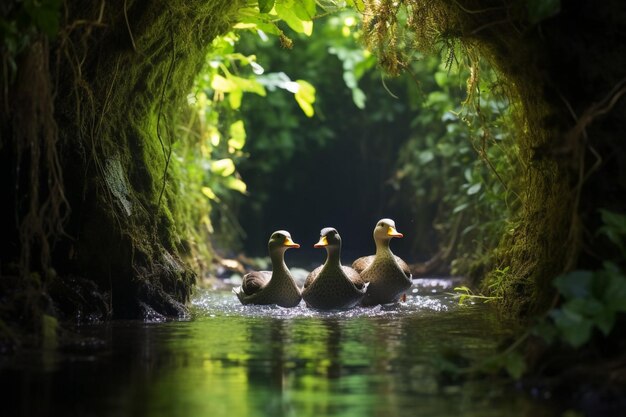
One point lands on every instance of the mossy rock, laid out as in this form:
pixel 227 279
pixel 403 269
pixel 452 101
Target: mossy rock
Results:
pixel 120 76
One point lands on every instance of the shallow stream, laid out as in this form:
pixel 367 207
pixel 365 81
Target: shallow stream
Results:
pixel 231 360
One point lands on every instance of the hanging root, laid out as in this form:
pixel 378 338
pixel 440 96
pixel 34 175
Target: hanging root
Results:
pixel 36 147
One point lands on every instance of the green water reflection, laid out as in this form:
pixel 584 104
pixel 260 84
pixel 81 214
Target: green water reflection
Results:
pixel 225 363
pixel 316 366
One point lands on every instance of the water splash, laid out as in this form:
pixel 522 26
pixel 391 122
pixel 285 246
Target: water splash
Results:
pixel 426 295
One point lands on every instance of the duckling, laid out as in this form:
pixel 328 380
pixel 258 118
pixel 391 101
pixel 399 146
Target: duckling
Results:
pixel 276 286
pixel 332 286
pixel 388 275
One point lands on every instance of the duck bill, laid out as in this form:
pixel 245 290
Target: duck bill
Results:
pixel 291 244
pixel 321 243
pixel 394 233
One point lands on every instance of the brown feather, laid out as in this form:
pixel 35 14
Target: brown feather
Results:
pixel 255 281
pixel 363 262
pixel 353 275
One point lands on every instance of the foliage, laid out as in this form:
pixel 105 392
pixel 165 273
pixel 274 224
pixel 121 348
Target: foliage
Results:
pixel 215 122
pixel 453 168
pixel 283 131
pixel 21 22
pixel 357 121
pixel 592 300
pixel 461 160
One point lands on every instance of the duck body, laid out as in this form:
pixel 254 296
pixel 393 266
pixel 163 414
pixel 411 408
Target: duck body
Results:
pixel 333 286
pixel 272 287
pixel 353 275
pixel 389 277
pixel 362 263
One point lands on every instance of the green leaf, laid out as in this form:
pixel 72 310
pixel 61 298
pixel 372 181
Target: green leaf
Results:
pixel 305 9
pixel 605 321
pixel 220 83
pixel 266 6
pixel 236 184
pixel 286 11
pixel 209 193
pixel 441 78
pixel 514 364
pixel 468 174
pixel 437 97
pixel 574 328
pixel 615 292
pixel 234 99
pixel 446 149
pixel 307 27
pixel 614 221
pixel 248 85
pixel 614 228
pixel 358 97
pixel 575 284
pixel 460 208
pixel 539 10
pixel 223 167
pixel 254 22
pixel 305 96
pixel 359 5
pixel 546 330
pixel 426 156
pixel 474 188
pixel 237 135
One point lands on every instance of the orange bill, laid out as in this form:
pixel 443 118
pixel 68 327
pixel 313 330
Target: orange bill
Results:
pixel 290 243
pixel 321 243
pixel 393 232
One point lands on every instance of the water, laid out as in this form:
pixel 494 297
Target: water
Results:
pixel 231 360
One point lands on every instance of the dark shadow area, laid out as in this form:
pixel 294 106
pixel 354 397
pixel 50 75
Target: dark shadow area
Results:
pixel 334 169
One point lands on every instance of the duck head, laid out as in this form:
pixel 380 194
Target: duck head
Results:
pixel 329 239
pixel 385 230
pixel 281 239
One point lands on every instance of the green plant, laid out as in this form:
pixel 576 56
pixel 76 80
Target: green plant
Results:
pixel 459 166
pixel 465 295
pixel 592 300
pixel 213 135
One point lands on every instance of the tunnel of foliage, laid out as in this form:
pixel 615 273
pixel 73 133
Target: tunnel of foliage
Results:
pixel 112 211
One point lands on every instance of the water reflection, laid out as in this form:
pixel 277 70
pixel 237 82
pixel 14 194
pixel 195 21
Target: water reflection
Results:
pixel 262 361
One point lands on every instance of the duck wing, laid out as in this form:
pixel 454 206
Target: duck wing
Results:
pixel 254 281
pixel 354 276
pixel 362 263
pixel 404 266
pixel 312 276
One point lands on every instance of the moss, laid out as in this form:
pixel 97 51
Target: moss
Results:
pixel 550 70
pixel 131 92
pixel 119 72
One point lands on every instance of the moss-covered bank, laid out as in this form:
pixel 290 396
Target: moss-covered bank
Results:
pixel 97 227
pixel 564 71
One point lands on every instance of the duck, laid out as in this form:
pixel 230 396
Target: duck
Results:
pixel 389 277
pixel 276 286
pixel 333 286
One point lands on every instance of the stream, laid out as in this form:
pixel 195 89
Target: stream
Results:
pixel 234 360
